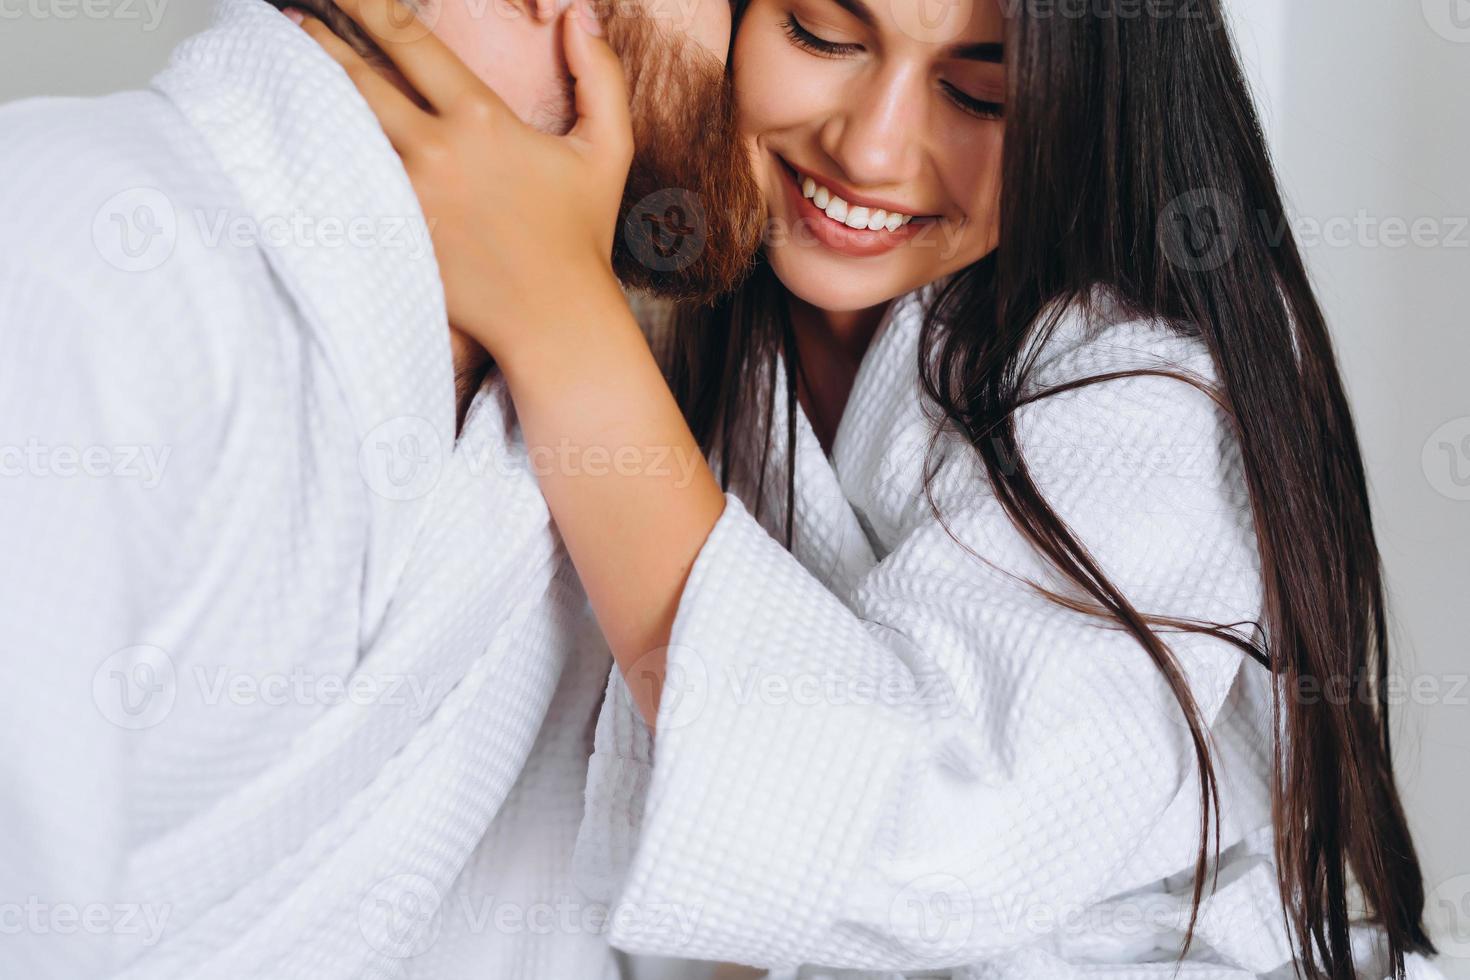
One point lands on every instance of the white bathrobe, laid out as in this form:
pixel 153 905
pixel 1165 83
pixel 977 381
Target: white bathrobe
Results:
pixel 884 752
pixel 289 669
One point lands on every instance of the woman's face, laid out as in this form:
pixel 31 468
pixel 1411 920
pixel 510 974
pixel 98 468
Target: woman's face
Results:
pixel 876 131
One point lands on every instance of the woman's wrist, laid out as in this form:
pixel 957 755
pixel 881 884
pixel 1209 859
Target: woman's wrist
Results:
pixel 578 319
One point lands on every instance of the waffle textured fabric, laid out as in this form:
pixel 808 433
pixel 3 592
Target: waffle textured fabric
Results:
pixel 301 683
pixel 886 750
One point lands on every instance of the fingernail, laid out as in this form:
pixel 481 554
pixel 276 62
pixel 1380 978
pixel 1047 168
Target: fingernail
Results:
pixel 297 17
pixel 587 17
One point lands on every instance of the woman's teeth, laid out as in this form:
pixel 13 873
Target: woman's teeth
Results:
pixel 854 216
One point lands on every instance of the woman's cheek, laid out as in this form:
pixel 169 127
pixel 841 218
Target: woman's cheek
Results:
pixel 974 177
pixel 777 86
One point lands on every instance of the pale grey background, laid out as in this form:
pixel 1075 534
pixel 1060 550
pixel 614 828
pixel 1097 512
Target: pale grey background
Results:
pixel 1366 103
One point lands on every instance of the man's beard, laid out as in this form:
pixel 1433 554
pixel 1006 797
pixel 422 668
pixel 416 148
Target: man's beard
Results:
pixel 692 211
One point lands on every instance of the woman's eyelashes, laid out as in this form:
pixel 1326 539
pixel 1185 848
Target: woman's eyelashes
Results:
pixel 807 41
pixel 803 38
pixel 975 107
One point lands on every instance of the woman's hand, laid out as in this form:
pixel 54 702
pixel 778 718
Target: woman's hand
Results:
pixel 522 222
pixel 524 239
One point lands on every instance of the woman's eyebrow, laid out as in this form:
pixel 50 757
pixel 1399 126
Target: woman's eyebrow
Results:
pixel 859 10
pixel 990 51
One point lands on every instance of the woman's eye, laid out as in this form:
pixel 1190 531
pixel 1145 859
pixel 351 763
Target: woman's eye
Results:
pixel 807 41
pixel 975 107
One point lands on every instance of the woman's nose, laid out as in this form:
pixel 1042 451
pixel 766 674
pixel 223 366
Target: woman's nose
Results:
pixel 875 136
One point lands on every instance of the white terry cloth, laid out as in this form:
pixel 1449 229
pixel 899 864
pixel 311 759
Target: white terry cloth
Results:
pixel 298 685
pixel 885 753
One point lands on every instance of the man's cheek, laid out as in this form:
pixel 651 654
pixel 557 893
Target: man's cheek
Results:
pixel 708 24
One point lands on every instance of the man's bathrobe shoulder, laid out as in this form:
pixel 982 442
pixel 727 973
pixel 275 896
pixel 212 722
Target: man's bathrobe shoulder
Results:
pixel 125 245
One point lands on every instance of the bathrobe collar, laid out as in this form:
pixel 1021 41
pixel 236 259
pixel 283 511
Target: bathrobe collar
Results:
pixel 339 222
pixel 845 520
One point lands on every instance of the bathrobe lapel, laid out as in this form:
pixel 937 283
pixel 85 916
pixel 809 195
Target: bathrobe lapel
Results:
pixel 845 522
pixel 314 174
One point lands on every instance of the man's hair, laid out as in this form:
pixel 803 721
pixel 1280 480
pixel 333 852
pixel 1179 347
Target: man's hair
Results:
pixel 340 24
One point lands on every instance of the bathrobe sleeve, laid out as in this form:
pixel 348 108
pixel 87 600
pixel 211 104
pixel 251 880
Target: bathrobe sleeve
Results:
pixel 108 428
pixel 933 770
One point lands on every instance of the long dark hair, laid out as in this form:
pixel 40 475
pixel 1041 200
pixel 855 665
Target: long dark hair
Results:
pixel 1134 160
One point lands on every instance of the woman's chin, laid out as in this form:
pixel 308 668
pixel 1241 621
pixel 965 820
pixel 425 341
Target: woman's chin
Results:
pixel 826 285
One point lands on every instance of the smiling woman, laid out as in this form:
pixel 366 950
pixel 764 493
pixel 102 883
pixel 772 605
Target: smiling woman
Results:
pixel 876 126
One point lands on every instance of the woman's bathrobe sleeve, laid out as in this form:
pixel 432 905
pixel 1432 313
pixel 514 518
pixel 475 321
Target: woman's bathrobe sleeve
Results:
pixel 934 769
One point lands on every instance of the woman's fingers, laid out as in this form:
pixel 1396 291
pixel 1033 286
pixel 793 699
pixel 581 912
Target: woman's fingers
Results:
pixel 400 118
pixel 601 93
pixel 434 71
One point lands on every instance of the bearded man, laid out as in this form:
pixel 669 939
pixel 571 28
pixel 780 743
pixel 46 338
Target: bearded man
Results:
pixel 310 695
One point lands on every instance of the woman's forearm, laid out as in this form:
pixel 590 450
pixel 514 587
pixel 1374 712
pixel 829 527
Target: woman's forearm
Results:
pixel 624 478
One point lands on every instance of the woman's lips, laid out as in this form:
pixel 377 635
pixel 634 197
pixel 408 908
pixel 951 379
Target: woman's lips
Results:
pixel 810 221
